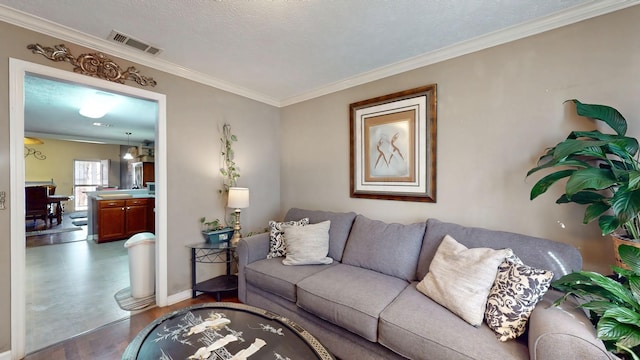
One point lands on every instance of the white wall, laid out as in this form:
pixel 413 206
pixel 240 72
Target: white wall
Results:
pixel 497 111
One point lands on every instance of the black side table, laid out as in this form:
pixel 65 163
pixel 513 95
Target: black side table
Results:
pixel 212 254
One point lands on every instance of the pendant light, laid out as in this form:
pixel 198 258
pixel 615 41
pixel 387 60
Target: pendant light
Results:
pixel 32 141
pixel 128 155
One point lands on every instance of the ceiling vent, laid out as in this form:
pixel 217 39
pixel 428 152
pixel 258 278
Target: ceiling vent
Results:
pixel 125 39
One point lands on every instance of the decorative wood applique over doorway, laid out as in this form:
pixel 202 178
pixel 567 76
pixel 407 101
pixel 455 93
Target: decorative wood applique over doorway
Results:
pixel 95 64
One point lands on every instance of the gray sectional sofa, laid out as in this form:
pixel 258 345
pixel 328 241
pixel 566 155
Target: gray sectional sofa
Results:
pixel 365 304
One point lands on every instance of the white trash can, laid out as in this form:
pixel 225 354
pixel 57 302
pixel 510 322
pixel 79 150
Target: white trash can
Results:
pixel 142 264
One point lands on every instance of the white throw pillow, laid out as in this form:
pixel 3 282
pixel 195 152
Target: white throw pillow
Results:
pixel 277 243
pixel 307 245
pixel 460 278
pixel 514 295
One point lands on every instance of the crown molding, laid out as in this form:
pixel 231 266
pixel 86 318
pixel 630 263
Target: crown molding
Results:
pixel 563 18
pixel 550 22
pixel 50 28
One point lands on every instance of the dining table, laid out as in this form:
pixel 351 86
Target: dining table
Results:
pixel 55 203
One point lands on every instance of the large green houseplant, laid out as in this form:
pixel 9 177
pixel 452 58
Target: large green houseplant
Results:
pixel 602 172
pixel 614 305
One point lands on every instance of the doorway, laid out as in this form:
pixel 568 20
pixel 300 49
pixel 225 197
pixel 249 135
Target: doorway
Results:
pixel 18 71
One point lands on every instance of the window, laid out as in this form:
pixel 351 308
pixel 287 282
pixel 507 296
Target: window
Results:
pixel 88 175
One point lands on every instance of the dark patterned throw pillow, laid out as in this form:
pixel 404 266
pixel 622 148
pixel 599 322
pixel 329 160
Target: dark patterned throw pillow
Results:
pixel 277 244
pixel 514 294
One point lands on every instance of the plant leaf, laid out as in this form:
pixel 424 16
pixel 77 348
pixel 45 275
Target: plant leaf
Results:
pixel 582 198
pixel 631 340
pixel 596 179
pixel 600 285
pixel 622 315
pixel 624 147
pixel 580 147
pixel 607 114
pixel 608 224
pixel 626 204
pixel 630 255
pixel 634 286
pixel 543 184
pixel 634 180
pixel 599 307
pixel 610 329
pixel 559 162
pixel 594 210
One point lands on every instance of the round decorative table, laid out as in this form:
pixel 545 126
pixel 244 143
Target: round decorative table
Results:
pixel 224 331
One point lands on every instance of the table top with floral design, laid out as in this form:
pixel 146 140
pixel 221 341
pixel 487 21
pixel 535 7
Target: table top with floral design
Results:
pixel 225 331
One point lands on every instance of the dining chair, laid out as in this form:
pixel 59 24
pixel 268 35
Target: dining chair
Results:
pixel 36 201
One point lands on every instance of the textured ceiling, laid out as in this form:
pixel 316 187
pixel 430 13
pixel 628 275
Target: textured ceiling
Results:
pixel 280 51
pixel 52 110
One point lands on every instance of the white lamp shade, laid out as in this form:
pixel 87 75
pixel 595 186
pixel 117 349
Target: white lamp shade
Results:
pixel 238 198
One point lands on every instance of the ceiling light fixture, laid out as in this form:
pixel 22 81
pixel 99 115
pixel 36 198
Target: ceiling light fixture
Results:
pixel 101 124
pixel 98 105
pixel 32 141
pixel 128 155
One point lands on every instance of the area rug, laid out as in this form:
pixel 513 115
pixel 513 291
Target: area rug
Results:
pixel 51 231
pixel 78 214
pixel 129 303
pixel 79 222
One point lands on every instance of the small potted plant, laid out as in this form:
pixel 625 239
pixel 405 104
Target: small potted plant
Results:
pixel 613 304
pixel 602 172
pixel 215 232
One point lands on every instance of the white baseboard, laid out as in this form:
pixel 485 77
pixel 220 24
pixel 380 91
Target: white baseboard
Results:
pixel 5 355
pixel 175 298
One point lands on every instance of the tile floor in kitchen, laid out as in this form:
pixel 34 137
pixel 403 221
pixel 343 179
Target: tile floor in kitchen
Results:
pixel 70 289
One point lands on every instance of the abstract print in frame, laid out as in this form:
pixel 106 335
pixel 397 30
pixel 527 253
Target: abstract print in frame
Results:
pixel 393 146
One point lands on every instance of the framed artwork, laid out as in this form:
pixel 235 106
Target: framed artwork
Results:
pixel 393 146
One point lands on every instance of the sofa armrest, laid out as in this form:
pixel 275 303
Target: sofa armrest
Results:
pixel 563 332
pixel 250 249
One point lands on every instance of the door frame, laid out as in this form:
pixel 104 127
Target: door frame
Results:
pixel 17 71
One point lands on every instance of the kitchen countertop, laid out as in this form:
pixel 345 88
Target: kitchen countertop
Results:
pixel 120 194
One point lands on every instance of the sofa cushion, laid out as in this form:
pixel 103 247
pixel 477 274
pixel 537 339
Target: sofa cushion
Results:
pixel 418 328
pixel 350 297
pixel 391 249
pixel 307 245
pixel 340 226
pixel 557 257
pixel 460 278
pixel 513 296
pixel 272 276
pixel 277 242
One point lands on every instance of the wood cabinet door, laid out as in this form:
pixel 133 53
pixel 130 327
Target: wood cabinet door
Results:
pixel 148 173
pixel 111 224
pixel 151 219
pixel 136 219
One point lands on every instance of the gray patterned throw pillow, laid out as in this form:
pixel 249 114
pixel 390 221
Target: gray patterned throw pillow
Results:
pixel 515 293
pixel 277 244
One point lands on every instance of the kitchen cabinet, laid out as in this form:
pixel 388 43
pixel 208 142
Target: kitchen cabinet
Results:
pixel 121 218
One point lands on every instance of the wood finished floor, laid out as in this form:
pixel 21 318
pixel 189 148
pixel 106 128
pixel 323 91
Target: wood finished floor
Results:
pixel 54 239
pixel 110 341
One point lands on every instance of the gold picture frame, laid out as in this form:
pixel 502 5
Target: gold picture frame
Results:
pixel 393 146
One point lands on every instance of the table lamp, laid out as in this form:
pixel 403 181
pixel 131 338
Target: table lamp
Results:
pixel 238 199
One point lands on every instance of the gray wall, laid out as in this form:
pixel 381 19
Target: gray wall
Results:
pixel 498 109
pixel 195 113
